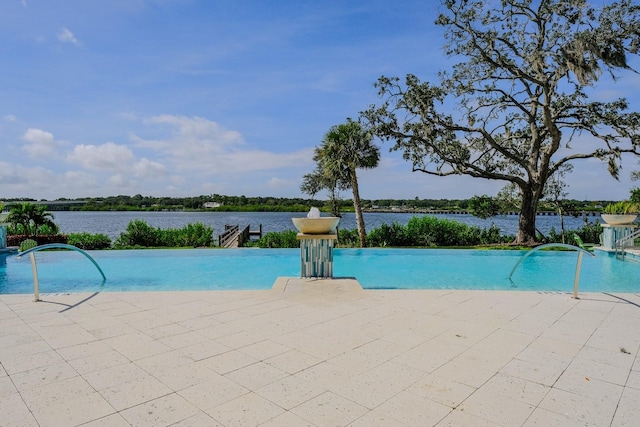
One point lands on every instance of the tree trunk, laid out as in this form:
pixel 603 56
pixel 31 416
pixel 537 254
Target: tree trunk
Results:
pixel 527 219
pixel 362 234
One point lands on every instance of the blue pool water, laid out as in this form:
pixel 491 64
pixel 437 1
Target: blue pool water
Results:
pixel 210 269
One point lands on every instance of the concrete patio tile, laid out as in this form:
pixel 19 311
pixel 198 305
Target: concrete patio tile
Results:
pixel 76 411
pixel 469 374
pixel 405 339
pixel 378 419
pixel 318 347
pixel 6 385
pixel 113 420
pixel 136 346
pixel 164 361
pixel 65 336
pixel 229 361
pixel 131 393
pixel 628 411
pixel 292 361
pixel 596 370
pixel 40 398
pixel 13 342
pixel 537 366
pixel 41 376
pixel 264 349
pixel 569 331
pixel 431 355
pixel 96 362
pixel 290 391
pixel 329 409
pixel 379 384
pixel 213 392
pixel 115 375
pixel 15 413
pixel 143 320
pixel 579 408
pixel 367 356
pixel 204 350
pixel 413 409
pixel 287 420
pixel 615 338
pixel 181 377
pixel 83 350
pixel 504 386
pixel 460 418
pixel 186 339
pixel 256 375
pixel 543 418
pixel 374 352
pixel 166 410
pixel 246 410
pixel 498 409
pixel 20 363
pixel 441 390
pixel 555 349
pixel 112 330
pixel 168 330
pixel 634 380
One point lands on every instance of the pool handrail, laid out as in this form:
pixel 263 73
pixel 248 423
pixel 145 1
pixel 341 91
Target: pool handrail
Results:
pixel 559 245
pixel 36 286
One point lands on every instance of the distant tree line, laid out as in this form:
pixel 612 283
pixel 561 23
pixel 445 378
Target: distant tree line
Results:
pixel 272 204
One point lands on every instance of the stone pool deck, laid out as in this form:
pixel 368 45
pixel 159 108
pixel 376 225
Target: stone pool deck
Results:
pixel 320 353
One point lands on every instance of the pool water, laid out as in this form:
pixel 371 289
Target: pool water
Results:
pixel 211 269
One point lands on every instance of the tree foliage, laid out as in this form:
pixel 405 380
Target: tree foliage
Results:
pixel 345 148
pixel 30 219
pixel 522 110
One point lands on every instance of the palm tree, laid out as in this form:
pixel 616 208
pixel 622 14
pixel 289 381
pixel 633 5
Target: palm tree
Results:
pixel 30 217
pixel 344 149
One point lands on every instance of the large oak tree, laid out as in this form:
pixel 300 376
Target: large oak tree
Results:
pixel 516 107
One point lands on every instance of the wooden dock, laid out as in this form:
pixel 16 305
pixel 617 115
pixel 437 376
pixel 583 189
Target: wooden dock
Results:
pixel 234 237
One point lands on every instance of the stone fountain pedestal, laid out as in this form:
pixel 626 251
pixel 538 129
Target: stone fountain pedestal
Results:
pixel 316 255
pixel 317 236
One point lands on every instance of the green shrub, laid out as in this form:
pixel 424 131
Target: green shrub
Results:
pixel 140 234
pixel 27 244
pixel 348 238
pixel 88 241
pixel 589 233
pixel 282 239
pixel 388 235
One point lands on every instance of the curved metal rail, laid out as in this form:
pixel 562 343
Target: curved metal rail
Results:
pixel 580 250
pixel 36 290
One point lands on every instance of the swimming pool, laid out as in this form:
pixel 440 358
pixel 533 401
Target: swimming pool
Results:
pixel 216 269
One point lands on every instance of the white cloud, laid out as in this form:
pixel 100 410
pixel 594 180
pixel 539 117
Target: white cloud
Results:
pixel 108 156
pixel 149 169
pixel 66 36
pixel 199 145
pixel 41 144
pixel 10 118
pixel 278 183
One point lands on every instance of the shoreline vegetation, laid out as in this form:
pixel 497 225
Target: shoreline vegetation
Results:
pixel 419 232
pixel 221 203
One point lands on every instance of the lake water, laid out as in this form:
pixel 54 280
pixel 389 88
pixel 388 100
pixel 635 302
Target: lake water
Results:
pixel 114 223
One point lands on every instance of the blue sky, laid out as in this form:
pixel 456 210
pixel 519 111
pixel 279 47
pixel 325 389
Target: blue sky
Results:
pixel 190 97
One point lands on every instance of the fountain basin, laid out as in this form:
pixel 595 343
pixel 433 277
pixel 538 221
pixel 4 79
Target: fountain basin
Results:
pixel 323 225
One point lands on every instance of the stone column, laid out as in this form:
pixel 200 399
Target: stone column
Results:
pixel 316 255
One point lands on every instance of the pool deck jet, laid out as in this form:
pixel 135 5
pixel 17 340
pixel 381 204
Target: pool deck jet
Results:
pixel 319 353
